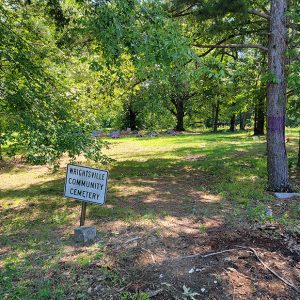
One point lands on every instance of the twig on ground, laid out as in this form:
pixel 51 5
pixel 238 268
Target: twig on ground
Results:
pixel 124 287
pixel 207 255
pixel 132 240
pixel 150 252
pixel 153 258
pixel 270 270
pixel 154 293
pixel 146 250
pixel 249 249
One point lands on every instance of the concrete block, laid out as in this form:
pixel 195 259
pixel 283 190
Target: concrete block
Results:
pixel 286 195
pixel 85 234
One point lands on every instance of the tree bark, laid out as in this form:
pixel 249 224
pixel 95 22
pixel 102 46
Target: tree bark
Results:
pixel 179 115
pixel 278 177
pixel 132 119
pixel 259 119
pixel 216 116
pixel 232 123
pixel 298 164
pixel 242 121
pixel 1 142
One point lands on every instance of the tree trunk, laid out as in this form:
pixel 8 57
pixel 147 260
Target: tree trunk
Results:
pixel 259 120
pixel 232 123
pixel 132 119
pixel 278 177
pixel 298 164
pixel 179 115
pixel 216 116
pixel 1 142
pixel 243 121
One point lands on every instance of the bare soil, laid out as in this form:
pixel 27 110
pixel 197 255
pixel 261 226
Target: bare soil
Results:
pixel 154 260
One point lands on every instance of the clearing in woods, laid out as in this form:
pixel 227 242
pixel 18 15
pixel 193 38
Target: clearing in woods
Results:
pixel 168 198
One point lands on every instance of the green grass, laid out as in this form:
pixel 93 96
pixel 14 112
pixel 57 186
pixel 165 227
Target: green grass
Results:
pixel 151 180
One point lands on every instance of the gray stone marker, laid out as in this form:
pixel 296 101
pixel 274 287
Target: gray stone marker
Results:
pixel 85 234
pixel 286 195
pixel 96 133
pixel 115 134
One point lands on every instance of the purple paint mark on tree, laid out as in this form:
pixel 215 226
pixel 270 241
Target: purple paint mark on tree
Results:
pixel 276 124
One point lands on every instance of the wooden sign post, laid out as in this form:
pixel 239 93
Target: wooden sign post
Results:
pixel 83 213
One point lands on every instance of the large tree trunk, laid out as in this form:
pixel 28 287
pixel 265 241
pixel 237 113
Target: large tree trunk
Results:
pixel 216 116
pixel 179 115
pixel 259 119
pixel 132 115
pixel 243 120
pixel 278 177
pixel 299 152
pixel 1 141
pixel 232 123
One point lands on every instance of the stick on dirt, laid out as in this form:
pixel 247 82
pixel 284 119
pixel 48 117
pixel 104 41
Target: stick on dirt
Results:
pixel 249 249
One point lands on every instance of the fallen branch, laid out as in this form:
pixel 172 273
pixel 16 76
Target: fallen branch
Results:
pixel 133 239
pixel 152 294
pixel 249 249
pixel 208 255
pixel 270 270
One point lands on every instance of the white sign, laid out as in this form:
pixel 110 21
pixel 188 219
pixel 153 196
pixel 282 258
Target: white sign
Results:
pixel 86 184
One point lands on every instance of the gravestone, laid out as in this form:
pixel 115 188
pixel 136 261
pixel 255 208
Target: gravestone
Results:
pixel 286 195
pixel 97 133
pixel 114 134
pixel 171 132
pixel 152 134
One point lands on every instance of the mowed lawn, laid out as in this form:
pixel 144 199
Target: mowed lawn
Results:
pixel 168 197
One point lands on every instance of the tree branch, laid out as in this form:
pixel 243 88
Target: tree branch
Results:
pixel 218 43
pixel 236 46
pixel 259 14
pixel 184 12
pixel 294 26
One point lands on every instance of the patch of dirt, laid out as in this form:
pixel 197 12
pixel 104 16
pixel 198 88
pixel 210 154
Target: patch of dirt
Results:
pixel 195 157
pixel 150 254
pixel 151 263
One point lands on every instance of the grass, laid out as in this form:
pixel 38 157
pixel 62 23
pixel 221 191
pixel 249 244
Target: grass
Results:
pixel 153 182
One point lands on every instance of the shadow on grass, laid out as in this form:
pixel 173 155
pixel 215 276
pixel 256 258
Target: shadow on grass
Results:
pixel 181 197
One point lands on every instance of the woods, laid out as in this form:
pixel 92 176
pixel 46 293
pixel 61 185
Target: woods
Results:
pixel 84 65
pixel 168 131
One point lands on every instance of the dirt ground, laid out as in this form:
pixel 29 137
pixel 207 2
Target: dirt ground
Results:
pixel 166 232
pixel 162 267
pixel 179 251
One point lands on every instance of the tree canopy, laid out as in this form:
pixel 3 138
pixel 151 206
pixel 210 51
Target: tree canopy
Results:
pixel 70 67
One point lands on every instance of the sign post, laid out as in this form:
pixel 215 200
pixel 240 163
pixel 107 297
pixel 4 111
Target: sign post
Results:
pixel 83 213
pixel 89 185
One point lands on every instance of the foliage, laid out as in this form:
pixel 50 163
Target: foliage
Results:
pixel 38 111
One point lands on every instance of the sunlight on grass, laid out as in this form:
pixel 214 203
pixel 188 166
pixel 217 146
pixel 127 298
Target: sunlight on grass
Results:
pixel 167 186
